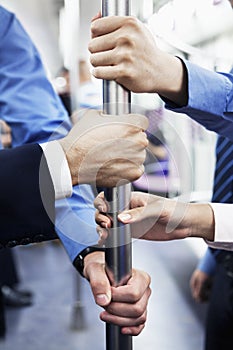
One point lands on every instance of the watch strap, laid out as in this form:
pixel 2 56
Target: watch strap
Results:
pixel 79 260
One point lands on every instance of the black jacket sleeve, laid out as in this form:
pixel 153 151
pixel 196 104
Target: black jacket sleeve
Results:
pixel 27 197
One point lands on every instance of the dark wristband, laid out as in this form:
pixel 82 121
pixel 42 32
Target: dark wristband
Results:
pixel 79 260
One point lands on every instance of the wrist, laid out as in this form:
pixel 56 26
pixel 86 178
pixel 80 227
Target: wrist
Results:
pixel 79 260
pixel 72 158
pixel 176 86
pixel 204 221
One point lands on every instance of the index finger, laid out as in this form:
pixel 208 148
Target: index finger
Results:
pixel 134 119
pixel 106 25
pixel 100 203
pixel 134 290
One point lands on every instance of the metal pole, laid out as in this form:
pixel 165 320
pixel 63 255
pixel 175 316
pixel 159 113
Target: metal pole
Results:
pixel 118 256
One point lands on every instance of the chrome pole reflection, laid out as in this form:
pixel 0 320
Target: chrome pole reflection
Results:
pixel 116 100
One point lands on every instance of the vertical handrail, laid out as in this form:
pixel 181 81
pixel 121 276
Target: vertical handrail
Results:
pixel 118 256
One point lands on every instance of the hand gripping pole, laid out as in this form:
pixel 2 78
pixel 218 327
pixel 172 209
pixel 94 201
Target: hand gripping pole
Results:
pixel 118 256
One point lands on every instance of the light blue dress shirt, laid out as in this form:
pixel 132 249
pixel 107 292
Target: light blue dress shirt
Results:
pixel 210 103
pixel 210 99
pixel 31 107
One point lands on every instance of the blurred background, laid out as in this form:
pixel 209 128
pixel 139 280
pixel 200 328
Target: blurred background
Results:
pixel 200 31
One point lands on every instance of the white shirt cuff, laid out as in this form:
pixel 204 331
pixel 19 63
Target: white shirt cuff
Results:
pixel 223 216
pixel 58 168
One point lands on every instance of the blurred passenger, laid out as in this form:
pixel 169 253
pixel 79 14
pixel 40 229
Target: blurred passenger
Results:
pixel 156 163
pixel 203 277
pixel 90 90
pixel 13 295
pixel 62 86
pixel 9 276
pixel 213 278
pixel 212 282
pixel 89 94
pixel 157 157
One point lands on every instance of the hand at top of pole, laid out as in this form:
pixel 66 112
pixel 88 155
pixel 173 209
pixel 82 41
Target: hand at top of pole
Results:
pixel 124 50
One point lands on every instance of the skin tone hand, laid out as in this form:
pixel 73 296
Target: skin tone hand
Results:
pixel 5 135
pixel 158 219
pixel 124 50
pixel 106 150
pixel 125 306
pixel 200 285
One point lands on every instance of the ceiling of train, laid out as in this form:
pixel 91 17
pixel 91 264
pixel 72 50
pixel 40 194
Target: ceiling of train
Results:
pixel 41 19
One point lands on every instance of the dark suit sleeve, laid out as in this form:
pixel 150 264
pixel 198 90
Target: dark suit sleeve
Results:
pixel 27 197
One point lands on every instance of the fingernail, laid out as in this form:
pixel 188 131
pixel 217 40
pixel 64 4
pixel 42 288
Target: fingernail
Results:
pixel 102 299
pixel 127 331
pixel 124 217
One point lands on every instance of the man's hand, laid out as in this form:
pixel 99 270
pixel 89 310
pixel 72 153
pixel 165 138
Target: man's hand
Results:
pixel 124 306
pixel 106 150
pixel 200 285
pixel 156 218
pixel 124 50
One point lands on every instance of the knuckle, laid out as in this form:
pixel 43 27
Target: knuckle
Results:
pixel 93 28
pixel 140 171
pixel 97 73
pixel 148 277
pixel 137 330
pixel 142 319
pixel 97 216
pixel 125 68
pixel 145 140
pixel 134 175
pixel 139 311
pixel 90 46
pixel 122 40
pixel 92 59
pixel 123 57
pixel 135 296
pixel 97 285
pixel 120 72
pixel 131 22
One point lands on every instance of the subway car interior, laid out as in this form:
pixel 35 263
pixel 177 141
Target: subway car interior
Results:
pixel 57 310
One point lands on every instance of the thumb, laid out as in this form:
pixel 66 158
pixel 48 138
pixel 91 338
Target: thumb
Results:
pixel 100 284
pixel 129 216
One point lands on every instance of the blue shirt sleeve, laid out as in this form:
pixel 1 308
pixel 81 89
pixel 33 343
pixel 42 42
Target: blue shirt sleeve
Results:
pixel 75 221
pixel 33 110
pixel 210 99
pixel 208 263
pixel 28 102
